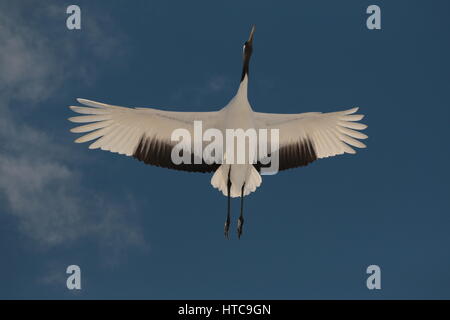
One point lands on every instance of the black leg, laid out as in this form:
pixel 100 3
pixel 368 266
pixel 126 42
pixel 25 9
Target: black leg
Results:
pixel 241 217
pixel 227 222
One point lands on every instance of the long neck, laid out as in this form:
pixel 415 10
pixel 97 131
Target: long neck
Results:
pixel 247 55
pixel 245 67
pixel 241 94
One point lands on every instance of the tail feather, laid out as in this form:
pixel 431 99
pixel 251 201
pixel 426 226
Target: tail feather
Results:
pixel 252 182
pixel 220 178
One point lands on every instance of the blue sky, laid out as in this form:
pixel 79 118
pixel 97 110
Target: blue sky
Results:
pixel 143 232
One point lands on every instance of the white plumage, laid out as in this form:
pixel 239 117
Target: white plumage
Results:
pixel 120 130
pixel 145 133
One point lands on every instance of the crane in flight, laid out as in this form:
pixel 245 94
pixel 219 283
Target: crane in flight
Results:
pixel 146 134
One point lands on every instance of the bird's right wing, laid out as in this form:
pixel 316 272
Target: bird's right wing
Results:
pixel 305 137
pixel 144 133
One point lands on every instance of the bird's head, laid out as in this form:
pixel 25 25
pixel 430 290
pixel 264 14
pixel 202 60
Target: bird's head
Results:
pixel 248 45
pixel 247 52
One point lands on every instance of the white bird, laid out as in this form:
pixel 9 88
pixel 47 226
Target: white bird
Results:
pixel 145 134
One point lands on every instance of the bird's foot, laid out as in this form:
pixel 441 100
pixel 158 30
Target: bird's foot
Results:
pixel 239 227
pixel 226 230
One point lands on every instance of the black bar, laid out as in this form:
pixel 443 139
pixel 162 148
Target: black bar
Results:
pixel 226 309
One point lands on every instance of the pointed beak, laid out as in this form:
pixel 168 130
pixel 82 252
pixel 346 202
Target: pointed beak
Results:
pixel 250 38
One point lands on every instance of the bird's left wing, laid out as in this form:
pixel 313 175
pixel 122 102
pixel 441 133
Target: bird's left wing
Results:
pixel 143 133
pixel 305 137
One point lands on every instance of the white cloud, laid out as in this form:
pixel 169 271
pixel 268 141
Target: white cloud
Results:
pixel 24 59
pixel 37 182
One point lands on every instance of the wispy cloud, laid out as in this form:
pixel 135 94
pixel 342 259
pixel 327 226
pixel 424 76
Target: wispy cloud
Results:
pixel 37 181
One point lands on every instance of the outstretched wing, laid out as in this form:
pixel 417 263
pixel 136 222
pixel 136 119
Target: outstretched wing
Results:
pixel 143 133
pixel 305 137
